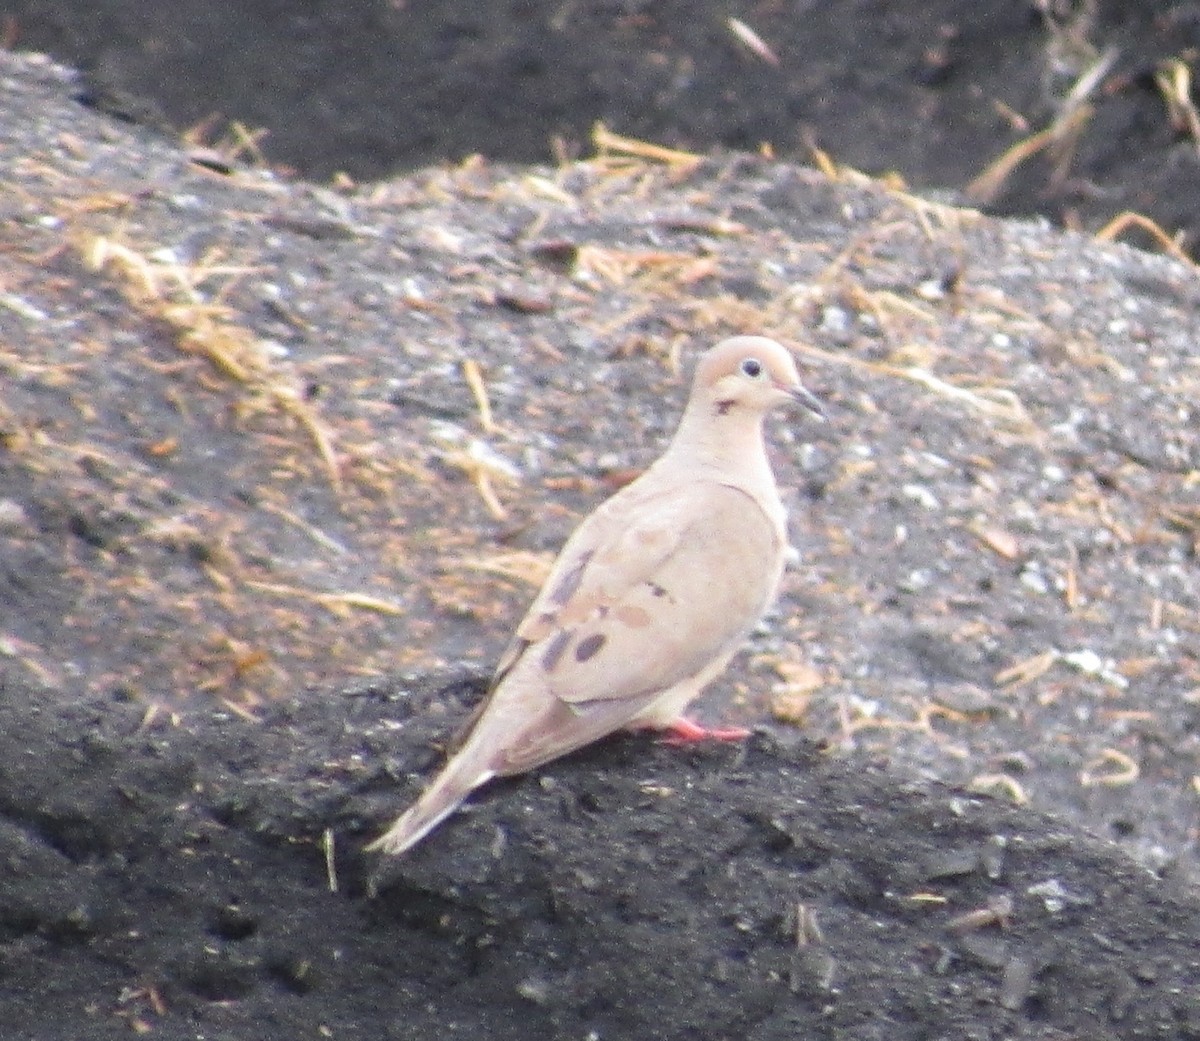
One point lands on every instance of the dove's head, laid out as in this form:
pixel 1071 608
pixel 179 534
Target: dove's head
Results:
pixel 750 374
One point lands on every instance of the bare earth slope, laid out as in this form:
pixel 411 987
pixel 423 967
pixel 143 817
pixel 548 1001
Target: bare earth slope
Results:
pixel 175 882
pixel 1093 97
pixel 266 445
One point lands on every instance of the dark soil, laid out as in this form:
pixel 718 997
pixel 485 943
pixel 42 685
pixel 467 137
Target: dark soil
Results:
pixel 172 881
pixel 260 540
pixel 936 89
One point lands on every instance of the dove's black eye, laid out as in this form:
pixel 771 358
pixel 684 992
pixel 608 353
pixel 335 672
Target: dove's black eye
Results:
pixel 752 367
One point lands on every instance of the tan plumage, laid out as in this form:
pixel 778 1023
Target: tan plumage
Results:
pixel 649 598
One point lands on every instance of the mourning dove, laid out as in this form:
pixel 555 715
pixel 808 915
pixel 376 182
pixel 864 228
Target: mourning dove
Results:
pixel 649 598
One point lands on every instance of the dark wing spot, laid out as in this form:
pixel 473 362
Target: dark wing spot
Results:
pixel 657 590
pixel 554 650
pixel 567 585
pixel 589 646
pixel 723 407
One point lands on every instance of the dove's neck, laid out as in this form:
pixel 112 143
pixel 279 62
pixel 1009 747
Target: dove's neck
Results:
pixel 728 447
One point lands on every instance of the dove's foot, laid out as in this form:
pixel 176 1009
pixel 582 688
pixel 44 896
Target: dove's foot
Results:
pixel 685 732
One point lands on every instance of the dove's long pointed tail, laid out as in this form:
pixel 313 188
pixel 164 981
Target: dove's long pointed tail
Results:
pixel 458 779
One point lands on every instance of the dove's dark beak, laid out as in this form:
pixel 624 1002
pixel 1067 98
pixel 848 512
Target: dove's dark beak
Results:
pixel 803 396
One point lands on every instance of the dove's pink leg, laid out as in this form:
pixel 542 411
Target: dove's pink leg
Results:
pixel 686 732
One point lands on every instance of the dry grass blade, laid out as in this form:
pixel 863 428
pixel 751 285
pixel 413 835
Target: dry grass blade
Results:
pixel 997 403
pixel 1111 768
pixel 337 603
pixel 1171 244
pixel 994 402
pixel 474 377
pixel 1027 671
pixel 1174 81
pixel 999 784
pixel 608 143
pixel 483 465
pixel 1058 139
pixel 987 187
pixel 752 41
pixel 169 291
pixel 531 569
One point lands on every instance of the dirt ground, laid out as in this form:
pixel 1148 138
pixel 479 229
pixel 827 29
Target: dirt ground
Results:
pixel 172 882
pixel 281 464
pixel 1093 96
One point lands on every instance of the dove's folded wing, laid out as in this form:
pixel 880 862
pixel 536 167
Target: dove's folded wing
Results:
pixel 646 605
